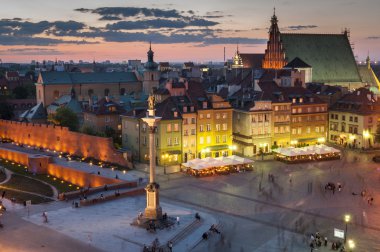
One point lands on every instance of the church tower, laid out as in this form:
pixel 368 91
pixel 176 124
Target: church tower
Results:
pixel 237 62
pixel 274 57
pixel 151 73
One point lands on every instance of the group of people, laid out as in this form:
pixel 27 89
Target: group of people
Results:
pixel 270 177
pixel 317 241
pixel 212 229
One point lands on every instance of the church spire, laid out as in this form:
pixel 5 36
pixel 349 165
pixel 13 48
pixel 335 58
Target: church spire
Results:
pixel 150 64
pixel 368 61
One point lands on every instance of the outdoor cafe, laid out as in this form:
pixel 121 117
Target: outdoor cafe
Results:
pixel 311 153
pixel 217 166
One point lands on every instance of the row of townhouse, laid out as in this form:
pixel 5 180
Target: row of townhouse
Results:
pixel 353 120
pixel 193 124
pixel 277 117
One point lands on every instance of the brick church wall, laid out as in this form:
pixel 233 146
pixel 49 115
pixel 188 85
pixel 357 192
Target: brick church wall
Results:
pixel 62 140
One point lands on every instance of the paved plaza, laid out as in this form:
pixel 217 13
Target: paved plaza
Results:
pixel 253 212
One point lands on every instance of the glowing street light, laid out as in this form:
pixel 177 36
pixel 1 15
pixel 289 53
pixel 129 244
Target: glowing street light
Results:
pixel 321 140
pixel 351 244
pixel 347 219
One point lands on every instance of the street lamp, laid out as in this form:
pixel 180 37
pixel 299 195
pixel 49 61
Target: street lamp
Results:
pixel 347 219
pixel 366 135
pixel 164 157
pixel 321 140
pixel 351 244
pixel 232 148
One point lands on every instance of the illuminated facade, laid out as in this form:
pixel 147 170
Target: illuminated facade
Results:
pixel 353 120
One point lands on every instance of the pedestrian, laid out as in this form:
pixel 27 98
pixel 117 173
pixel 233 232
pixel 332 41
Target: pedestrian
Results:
pixel 177 220
pixel 170 245
pixel 371 200
pixel 3 194
pixel 98 172
pixel 325 241
pixel 44 215
pixel 116 177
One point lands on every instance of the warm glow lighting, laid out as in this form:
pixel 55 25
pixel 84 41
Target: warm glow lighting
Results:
pixel 352 137
pixel 70 185
pixel 232 147
pixel 293 142
pixel 124 171
pixel 77 187
pixel 366 134
pixel 351 244
pixel 321 140
pixel 54 178
pixel 347 218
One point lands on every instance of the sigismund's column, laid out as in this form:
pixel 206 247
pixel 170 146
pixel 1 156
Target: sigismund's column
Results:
pixel 153 209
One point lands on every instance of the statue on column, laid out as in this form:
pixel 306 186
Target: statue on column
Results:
pixel 151 101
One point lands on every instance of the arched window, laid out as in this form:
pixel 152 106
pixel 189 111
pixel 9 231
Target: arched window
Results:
pixel 56 94
pixel 122 91
pixel 106 92
pixel 90 93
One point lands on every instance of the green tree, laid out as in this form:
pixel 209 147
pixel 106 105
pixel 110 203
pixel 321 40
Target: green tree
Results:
pixel 20 92
pixel 88 130
pixel 65 117
pixel 6 111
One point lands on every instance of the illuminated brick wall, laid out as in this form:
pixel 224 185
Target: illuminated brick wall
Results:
pixel 62 140
pixel 79 178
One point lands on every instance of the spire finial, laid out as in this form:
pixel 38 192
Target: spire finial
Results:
pixel 150 45
pixel 237 47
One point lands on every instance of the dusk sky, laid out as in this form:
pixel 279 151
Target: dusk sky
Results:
pixel 194 30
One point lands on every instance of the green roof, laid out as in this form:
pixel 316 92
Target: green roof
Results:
pixel 368 76
pixel 329 55
pixel 49 78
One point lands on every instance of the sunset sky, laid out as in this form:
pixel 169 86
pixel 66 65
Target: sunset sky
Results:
pixel 194 30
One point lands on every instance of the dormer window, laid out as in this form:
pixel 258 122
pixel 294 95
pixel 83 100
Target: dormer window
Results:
pixel 204 105
pixel 192 109
pixel 185 109
pixel 301 100
pixel 294 100
pixel 175 114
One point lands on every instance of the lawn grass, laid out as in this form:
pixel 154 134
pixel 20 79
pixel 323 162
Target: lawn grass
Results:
pixel 29 185
pixel 57 183
pixel 20 197
pixel 2 176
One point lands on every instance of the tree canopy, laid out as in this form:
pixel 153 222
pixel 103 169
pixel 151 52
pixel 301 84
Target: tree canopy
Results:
pixel 65 117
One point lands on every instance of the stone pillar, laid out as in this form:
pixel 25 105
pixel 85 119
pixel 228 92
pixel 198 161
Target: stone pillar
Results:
pixel 153 210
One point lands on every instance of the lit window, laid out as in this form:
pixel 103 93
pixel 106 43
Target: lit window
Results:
pixel 201 140
pixel 224 126
pixel 208 139
pixel 208 127
pixel 168 127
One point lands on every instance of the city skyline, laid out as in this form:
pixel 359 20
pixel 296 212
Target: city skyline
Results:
pixel 113 30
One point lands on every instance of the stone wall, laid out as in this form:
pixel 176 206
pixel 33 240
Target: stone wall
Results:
pixel 15 156
pixel 79 178
pixel 62 140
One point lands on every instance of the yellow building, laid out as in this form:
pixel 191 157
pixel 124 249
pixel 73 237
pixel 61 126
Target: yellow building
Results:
pixel 353 120
pixel 214 127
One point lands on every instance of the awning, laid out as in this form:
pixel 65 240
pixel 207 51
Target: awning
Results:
pixel 218 147
pixel 173 152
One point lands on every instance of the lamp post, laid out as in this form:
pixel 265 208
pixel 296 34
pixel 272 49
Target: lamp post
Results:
pixel 164 157
pixel 347 219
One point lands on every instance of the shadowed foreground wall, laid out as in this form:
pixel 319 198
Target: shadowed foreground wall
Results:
pixel 61 139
